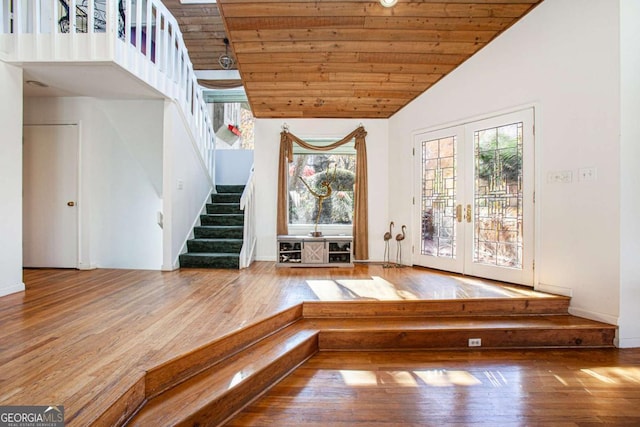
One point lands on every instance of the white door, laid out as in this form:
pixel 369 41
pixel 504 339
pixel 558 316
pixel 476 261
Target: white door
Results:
pixel 474 204
pixel 50 189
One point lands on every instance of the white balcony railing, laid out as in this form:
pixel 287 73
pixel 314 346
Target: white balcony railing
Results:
pixel 247 204
pixel 139 35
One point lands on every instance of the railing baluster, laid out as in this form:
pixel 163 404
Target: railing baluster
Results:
pixel 162 44
pixel 157 38
pixel 73 25
pixel 147 31
pixel 138 25
pixel 91 17
pixel 3 24
pixel 172 52
pixel 127 22
pixel 54 18
pixel 17 17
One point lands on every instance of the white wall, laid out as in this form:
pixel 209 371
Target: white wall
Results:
pixel 11 180
pixel 186 185
pixel 267 146
pixel 563 59
pixel 233 166
pixel 120 177
pixel 629 334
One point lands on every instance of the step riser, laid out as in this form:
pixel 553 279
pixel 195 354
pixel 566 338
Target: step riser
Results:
pixel 497 306
pixel 238 189
pixel 225 262
pixel 224 209
pixel 456 339
pixel 123 408
pixel 218 233
pixel 225 247
pixel 226 198
pixel 226 405
pixel 221 219
pixel 174 372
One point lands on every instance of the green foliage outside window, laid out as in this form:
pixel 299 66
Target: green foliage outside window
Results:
pixel 303 206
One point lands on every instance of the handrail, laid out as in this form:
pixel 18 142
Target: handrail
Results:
pixel 249 239
pixel 141 36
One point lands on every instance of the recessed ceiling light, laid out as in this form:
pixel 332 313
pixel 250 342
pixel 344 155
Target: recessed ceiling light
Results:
pixel 36 83
pixel 388 3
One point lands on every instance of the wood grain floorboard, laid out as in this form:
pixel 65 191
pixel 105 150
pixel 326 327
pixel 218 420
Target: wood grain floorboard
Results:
pixel 84 338
pixel 444 388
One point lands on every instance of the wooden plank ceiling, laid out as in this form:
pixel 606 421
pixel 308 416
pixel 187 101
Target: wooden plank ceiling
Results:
pixel 350 58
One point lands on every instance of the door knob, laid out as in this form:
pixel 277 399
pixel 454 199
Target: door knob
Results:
pixel 468 215
pixel 71 204
pixel 459 213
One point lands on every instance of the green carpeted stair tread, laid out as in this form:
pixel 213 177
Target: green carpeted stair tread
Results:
pixel 218 232
pixel 223 208
pixel 210 260
pixel 222 219
pixel 215 245
pixel 238 189
pixel 226 198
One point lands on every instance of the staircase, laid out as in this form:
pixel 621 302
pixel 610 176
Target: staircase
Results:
pixel 218 240
pixel 209 385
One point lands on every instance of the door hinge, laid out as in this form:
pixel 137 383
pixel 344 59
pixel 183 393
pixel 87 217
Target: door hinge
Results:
pixel 413 249
pixel 414 200
pixel 534 265
pixel 534 197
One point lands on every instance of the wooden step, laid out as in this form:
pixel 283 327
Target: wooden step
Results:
pixel 183 367
pixel 455 307
pixel 217 393
pixel 212 383
pixel 548 331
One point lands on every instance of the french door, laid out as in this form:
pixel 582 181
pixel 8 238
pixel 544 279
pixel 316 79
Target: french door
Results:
pixel 474 198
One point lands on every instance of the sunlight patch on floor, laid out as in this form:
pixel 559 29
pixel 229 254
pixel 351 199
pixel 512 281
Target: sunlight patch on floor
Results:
pixel 376 288
pixel 417 378
pixel 615 375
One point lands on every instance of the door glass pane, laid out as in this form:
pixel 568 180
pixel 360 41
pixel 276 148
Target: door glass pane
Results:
pixel 498 196
pixel 438 197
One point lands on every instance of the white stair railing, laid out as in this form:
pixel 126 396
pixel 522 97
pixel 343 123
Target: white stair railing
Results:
pixel 247 204
pixel 140 35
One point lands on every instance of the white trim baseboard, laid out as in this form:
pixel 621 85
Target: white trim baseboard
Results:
pixel 593 315
pixel 628 342
pixel 552 289
pixel 18 287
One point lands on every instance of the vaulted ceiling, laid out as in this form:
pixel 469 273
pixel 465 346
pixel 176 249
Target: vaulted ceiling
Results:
pixel 335 58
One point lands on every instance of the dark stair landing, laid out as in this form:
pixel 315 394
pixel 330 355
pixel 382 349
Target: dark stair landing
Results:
pixel 218 240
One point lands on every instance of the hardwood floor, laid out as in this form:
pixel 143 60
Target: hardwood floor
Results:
pixel 489 388
pixel 84 339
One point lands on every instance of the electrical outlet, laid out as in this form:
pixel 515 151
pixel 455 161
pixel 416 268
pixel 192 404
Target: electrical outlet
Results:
pixel 562 177
pixel 587 174
pixel 475 342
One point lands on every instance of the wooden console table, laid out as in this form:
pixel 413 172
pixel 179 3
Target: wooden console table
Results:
pixel 307 251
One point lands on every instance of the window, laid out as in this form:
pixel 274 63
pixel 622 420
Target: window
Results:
pixel 337 167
